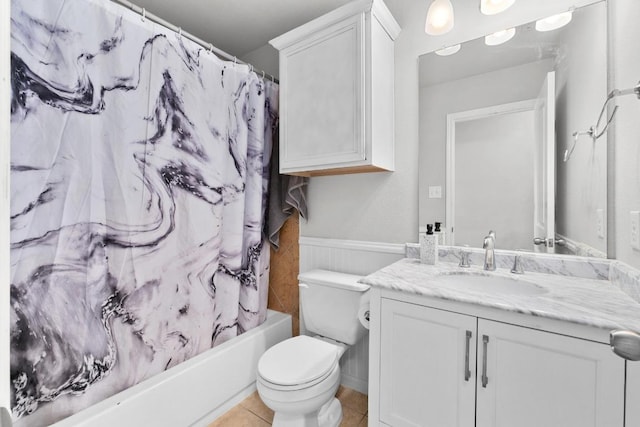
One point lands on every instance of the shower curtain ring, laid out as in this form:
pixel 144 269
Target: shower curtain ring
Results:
pixel 144 14
pixel 180 32
pixel 262 74
pixel 235 60
pixel 210 50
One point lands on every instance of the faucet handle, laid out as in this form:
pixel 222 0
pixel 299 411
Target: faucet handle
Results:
pixel 464 258
pixel 517 265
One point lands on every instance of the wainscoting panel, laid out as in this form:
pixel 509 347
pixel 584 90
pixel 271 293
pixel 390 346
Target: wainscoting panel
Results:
pixel 355 257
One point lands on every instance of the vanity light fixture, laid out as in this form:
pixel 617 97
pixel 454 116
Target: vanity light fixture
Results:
pixel 499 37
pixel 492 7
pixel 449 50
pixel 554 22
pixel 439 18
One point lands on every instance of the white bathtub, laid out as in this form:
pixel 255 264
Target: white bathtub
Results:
pixel 195 392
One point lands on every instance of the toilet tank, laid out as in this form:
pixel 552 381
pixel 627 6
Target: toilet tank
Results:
pixel 329 304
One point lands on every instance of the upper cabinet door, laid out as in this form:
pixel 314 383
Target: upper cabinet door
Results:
pixel 322 92
pixel 536 378
pixel 427 367
pixel 336 92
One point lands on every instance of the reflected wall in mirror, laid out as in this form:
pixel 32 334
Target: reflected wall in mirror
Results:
pixel 483 115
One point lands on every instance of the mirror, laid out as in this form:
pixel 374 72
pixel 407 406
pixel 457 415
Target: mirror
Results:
pixel 495 122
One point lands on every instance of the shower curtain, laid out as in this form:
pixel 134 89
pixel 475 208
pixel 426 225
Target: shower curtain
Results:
pixel 139 169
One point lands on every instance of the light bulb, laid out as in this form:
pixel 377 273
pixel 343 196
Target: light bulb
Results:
pixel 554 22
pixel 499 37
pixel 492 7
pixel 439 18
pixel 446 51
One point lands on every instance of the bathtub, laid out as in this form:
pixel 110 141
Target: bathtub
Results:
pixel 195 392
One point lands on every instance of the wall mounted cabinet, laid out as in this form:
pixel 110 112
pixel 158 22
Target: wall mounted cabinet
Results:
pixel 442 368
pixel 336 92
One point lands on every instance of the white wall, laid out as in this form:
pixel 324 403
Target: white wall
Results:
pixel 581 87
pixel 624 16
pixel 484 90
pixel 265 59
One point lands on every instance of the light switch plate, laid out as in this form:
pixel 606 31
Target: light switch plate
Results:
pixel 435 192
pixel 634 234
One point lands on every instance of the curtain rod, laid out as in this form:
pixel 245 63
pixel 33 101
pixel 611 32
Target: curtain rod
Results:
pixel 210 47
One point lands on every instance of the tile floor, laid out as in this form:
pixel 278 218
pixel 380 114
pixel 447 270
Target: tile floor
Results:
pixel 251 412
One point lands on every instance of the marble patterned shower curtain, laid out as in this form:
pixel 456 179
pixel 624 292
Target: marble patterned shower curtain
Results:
pixel 139 168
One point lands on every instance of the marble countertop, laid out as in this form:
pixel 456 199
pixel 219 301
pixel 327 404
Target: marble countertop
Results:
pixel 590 302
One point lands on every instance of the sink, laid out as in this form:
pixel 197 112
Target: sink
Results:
pixel 487 283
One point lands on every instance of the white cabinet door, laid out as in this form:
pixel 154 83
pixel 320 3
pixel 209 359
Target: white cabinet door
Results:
pixel 425 379
pixel 536 378
pixel 322 98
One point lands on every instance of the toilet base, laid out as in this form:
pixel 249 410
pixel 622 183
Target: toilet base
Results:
pixel 329 415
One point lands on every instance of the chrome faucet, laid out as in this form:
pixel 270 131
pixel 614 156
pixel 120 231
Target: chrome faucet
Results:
pixel 489 256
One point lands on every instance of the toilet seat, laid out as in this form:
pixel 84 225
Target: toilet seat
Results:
pixel 297 363
pixel 296 387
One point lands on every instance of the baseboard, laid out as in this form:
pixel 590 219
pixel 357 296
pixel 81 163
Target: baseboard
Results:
pixel 225 407
pixel 356 384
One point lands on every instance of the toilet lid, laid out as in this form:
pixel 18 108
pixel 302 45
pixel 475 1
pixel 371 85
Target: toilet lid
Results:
pixel 297 360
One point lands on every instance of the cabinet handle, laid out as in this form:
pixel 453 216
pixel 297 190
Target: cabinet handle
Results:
pixel 625 344
pixel 467 371
pixel 485 379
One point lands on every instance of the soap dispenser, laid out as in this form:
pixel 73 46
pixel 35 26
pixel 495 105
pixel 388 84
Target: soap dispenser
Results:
pixel 439 232
pixel 429 246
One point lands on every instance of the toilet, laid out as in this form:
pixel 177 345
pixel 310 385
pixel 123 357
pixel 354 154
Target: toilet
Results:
pixel 298 377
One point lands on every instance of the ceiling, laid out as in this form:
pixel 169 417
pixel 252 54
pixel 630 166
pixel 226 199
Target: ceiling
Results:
pixel 528 45
pixel 238 26
pixel 241 26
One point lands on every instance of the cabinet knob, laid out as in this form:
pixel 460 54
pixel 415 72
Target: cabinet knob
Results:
pixel 625 344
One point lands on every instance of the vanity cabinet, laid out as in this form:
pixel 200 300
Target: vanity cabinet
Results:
pixel 442 368
pixel 336 92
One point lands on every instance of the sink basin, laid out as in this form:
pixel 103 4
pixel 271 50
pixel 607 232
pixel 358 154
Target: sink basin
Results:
pixel 487 283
